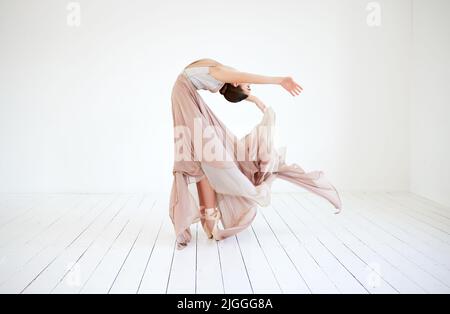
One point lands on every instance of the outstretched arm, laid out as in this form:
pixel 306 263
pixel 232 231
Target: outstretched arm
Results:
pixel 230 75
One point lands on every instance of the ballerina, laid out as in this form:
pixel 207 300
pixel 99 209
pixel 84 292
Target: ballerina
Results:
pixel 228 189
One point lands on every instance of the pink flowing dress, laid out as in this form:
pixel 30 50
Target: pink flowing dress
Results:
pixel 242 170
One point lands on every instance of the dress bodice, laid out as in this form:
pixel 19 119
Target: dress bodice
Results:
pixel 202 79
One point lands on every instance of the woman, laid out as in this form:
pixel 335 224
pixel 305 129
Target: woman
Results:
pixel 232 176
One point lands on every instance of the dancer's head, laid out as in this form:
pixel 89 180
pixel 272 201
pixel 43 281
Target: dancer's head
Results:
pixel 234 92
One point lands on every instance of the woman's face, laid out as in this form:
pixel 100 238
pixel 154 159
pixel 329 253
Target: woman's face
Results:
pixel 245 87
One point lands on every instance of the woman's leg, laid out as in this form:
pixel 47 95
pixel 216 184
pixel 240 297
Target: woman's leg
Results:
pixel 207 200
pixel 206 194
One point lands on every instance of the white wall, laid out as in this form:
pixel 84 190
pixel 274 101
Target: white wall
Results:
pixel 430 101
pixel 87 109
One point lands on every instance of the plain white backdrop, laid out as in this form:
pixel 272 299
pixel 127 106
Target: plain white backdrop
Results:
pixel 87 108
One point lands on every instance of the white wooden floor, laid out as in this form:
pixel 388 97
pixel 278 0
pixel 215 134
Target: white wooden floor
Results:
pixel 120 243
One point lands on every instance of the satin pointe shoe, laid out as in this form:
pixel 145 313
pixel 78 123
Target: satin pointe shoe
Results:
pixel 210 216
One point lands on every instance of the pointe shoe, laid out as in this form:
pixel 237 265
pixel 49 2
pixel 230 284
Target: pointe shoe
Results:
pixel 211 214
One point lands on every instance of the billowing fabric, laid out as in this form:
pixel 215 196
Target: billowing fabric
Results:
pixel 241 172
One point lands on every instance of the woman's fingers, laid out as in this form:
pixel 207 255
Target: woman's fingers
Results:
pixel 296 91
pixel 297 86
pixel 291 86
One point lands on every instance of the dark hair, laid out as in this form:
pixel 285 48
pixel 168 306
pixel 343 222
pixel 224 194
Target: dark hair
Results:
pixel 233 94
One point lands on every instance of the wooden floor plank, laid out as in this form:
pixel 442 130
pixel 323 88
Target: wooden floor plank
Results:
pixel 130 275
pixel 234 271
pixel 159 264
pixel 50 243
pixel 184 267
pixel 284 264
pixel 209 270
pixel 261 274
pixel 83 268
pixel 328 265
pixel 408 249
pixel 105 273
pixel 404 275
pixel 58 269
pixel 352 258
pixel 405 229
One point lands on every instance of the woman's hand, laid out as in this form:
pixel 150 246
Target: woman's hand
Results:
pixel 291 86
pixel 257 102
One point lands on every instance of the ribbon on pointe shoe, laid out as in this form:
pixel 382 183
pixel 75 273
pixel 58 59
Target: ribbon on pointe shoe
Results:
pixel 210 216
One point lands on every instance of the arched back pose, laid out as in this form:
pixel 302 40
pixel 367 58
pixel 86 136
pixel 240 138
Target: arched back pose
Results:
pixel 238 177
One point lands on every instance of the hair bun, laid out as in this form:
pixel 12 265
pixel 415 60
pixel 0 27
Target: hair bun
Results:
pixel 224 89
